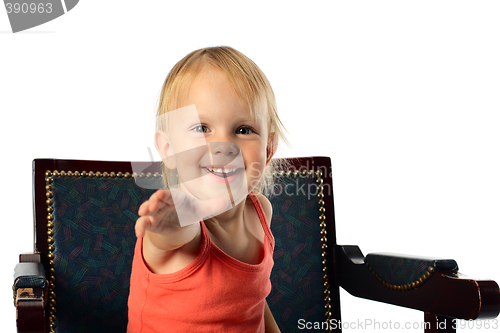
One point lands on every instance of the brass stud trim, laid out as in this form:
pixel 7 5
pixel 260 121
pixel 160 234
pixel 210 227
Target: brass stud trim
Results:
pixel 50 241
pixel 324 246
pixel 404 287
pixel 97 174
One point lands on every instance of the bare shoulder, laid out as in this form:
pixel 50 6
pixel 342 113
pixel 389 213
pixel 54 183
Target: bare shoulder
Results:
pixel 266 206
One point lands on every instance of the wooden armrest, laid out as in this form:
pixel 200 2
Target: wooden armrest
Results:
pixel 444 292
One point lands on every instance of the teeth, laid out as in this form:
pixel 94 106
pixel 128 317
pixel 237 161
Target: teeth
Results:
pixel 221 170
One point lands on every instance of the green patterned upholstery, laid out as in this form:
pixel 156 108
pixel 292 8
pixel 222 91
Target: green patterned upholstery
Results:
pixel 297 276
pixel 94 242
pixel 94 246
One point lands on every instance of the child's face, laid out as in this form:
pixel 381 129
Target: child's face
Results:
pixel 217 130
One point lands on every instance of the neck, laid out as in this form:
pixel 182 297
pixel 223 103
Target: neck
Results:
pixel 229 221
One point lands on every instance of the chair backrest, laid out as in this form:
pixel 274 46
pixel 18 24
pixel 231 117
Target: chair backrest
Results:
pixel 85 213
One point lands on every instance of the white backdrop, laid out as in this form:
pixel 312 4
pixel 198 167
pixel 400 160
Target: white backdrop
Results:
pixel 402 95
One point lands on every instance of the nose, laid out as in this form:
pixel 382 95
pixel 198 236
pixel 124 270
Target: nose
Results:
pixel 224 148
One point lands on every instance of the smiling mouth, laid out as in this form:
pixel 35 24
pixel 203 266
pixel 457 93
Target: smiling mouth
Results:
pixel 222 172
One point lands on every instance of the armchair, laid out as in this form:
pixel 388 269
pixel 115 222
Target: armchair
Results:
pixel 77 279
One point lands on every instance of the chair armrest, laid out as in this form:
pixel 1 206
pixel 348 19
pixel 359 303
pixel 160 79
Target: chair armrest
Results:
pixel 405 272
pixel 30 293
pixel 439 290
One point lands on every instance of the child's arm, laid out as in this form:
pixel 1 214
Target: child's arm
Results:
pixel 271 326
pixel 159 224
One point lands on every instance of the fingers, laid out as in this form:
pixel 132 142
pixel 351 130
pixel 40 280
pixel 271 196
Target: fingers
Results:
pixel 156 202
pixel 141 225
pixel 154 210
pixel 144 208
pixel 164 198
pixel 148 222
pixel 157 214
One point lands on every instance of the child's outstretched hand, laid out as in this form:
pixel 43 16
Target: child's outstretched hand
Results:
pixel 160 216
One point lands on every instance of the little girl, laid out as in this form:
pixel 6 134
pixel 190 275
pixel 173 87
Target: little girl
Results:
pixel 202 261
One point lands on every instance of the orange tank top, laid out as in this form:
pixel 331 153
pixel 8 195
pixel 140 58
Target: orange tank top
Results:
pixel 214 293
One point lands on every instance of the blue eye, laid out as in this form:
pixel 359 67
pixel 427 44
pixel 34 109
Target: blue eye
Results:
pixel 244 130
pixel 200 129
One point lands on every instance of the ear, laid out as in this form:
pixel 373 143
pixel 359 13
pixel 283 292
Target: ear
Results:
pixel 165 150
pixel 272 146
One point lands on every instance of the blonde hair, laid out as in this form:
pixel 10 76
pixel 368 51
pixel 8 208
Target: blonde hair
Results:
pixel 249 83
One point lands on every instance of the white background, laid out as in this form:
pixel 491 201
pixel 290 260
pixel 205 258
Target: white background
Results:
pixel 402 95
